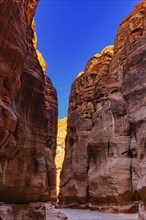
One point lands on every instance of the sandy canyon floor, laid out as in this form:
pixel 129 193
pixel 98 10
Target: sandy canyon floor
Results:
pixel 76 214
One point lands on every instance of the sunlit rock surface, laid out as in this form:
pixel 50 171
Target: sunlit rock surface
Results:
pixel 28 111
pixel 60 149
pixel 105 166
pixel 39 55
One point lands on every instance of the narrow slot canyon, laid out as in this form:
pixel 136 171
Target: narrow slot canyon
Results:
pixel 90 164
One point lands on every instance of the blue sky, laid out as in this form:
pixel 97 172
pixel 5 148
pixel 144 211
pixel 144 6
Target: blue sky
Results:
pixel 71 32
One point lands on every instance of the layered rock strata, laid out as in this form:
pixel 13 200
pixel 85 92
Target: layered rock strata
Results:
pixel 104 164
pixel 28 111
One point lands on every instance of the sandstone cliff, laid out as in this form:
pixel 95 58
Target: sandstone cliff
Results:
pixel 28 110
pixel 105 157
pixel 60 149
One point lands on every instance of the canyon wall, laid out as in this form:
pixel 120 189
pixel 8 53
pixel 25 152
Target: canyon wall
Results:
pixel 28 111
pixel 105 154
pixel 60 149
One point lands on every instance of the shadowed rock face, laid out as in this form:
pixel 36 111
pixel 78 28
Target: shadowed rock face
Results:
pixel 27 100
pixel 105 146
pixel 129 62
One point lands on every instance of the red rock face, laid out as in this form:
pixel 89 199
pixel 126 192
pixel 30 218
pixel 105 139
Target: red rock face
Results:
pixel 34 211
pixel 132 70
pixel 105 145
pixel 24 101
pixel 51 135
pixel 17 212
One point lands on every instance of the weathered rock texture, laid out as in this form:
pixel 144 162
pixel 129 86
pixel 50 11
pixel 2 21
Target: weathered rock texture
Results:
pixel 105 155
pixel 130 55
pixel 60 149
pixel 39 55
pixel 28 110
pixel 36 211
pixel 23 212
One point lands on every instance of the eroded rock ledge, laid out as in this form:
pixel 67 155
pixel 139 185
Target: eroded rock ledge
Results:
pixel 105 159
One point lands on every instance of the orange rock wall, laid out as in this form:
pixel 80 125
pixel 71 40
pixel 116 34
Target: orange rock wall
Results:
pixel 60 150
pixel 27 112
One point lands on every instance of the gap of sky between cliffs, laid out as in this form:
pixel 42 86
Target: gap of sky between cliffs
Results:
pixel 71 32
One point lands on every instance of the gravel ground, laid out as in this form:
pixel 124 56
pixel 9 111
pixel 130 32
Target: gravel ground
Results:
pixel 76 214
